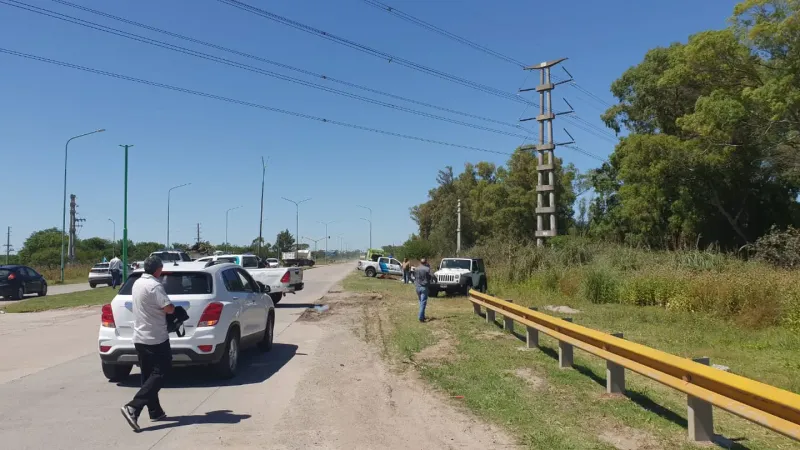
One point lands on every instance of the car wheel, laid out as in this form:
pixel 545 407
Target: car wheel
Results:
pixel 266 344
pixel 467 287
pixel 116 372
pixel 370 272
pixel 43 292
pixel 226 367
pixel 92 285
pixel 276 297
pixel 20 294
pixel 483 288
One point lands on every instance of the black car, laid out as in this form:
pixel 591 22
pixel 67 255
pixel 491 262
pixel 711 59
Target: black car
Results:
pixel 17 281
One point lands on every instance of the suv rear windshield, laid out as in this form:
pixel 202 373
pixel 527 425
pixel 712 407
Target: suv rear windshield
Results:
pixel 172 256
pixel 456 264
pixel 4 273
pixel 176 283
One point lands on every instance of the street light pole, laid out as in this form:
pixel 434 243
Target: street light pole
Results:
pixel 125 221
pixel 326 236
pixel 261 220
pixel 297 225
pixel 370 223
pixel 114 236
pixel 64 211
pixel 314 241
pixel 226 226
pixel 169 193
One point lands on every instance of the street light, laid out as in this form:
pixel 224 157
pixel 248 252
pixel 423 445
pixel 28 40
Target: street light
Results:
pixel 226 226
pixel 370 231
pixel 115 236
pixel 169 192
pixel 326 236
pixel 125 219
pixel 64 211
pixel 314 241
pixel 261 220
pixel 370 223
pixel 297 225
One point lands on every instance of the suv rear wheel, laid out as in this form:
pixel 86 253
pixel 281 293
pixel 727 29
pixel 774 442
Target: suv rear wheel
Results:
pixel 266 344
pixel 370 272
pixel 116 372
pixel 276 297
pixel 226 367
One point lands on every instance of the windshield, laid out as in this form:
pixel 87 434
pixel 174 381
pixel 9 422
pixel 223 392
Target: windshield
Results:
pixel 228 259
pixel 456 264
pixel 171 256
pixel 100 266
pixel 176 283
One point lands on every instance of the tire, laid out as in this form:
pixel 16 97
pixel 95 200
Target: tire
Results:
pixel 466 288
pixel 370 272
pixel 226 367
pixel 43 292
pixel 92 285
pixel 20 294
pixel 276 297
pixel 116 372
pixel 483 288
pixel 266 344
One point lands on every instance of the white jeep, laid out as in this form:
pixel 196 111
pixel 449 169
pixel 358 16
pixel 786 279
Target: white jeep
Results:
pixel 458 275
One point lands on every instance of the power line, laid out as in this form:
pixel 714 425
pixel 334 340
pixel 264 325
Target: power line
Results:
pixel 377 53
pixel 443 32
pixel 250 68
pixel 245 103
pixel 162 44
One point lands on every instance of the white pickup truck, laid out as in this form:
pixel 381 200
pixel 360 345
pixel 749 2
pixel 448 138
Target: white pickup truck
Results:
pixel 384 265
pixel 281 280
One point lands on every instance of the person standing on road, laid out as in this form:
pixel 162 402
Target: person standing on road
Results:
pixel 421 282
pixel 115 267
pixel 151 339
pixel 406 271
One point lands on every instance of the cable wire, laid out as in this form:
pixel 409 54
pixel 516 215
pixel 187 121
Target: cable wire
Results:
pixel 243 102
pixel 250 68
pixel 407 17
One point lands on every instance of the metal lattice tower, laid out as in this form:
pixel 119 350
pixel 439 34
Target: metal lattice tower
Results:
pixel 546 225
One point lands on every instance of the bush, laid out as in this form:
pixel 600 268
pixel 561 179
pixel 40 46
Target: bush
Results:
pixel 600 286
pixel 649 289
pixel 779 247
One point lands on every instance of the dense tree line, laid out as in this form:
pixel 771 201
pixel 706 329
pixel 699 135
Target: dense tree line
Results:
pixel 709 153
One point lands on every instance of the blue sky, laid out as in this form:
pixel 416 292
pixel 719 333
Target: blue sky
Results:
pixel 217 146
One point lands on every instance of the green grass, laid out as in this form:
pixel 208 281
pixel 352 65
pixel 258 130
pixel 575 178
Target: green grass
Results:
pixel 570 410
pixel 85 298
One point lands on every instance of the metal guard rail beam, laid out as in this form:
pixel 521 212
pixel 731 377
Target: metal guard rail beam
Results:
pixel 774 408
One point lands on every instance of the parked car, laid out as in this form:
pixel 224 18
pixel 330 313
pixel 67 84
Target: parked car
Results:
pixel 228 311
pixel 273 262
pixel 459 275
pixel 17 281
pixel 99 274
pixel 383 265
pixel 281 280
pixel 171 255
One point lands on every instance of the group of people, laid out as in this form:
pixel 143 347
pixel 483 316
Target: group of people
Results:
pixel 422 279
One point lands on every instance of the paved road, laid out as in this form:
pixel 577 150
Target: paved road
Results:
pixel 54 396
pixel 69 288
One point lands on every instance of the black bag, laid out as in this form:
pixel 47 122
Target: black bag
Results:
pixel 175 321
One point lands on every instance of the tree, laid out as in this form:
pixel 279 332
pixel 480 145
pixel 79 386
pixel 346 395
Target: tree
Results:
pixel 284 242
pixel 42 248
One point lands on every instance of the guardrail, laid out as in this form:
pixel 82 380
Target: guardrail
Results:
pixel 766 405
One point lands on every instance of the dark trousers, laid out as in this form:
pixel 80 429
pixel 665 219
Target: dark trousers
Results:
pixel 155 362
pixel 116 278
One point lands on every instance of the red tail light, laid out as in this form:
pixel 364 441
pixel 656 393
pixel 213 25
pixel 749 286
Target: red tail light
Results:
pixel 205 348
pixel 104 348
pixel 211 314
pixel 285 277
pixel 107 317
pixel 12 276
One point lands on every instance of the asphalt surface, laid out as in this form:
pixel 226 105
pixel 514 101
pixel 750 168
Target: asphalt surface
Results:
pixel 53 394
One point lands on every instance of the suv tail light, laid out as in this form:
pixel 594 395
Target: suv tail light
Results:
pixel 107 317
pixel 285 277
pixel 12 276
pixel 211 314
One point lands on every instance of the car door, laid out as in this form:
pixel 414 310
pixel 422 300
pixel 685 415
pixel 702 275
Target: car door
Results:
pixel 383 265
pixel 395 268
pixel 31 282
pixel 239 297
pixel 37 279
pixel 253 311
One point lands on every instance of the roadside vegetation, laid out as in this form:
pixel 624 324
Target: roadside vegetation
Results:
pixel 92 297
pixel 547 408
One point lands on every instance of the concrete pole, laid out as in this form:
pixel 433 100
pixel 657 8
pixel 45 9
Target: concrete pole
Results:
pixel 458 239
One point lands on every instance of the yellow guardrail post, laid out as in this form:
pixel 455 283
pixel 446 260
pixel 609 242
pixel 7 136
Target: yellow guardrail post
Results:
pixel 476 308
pixel 489 315
pixel 565 352
pixel 615 375
pixel 532 335
pixel 700 414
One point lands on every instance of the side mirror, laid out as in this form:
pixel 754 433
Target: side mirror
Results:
pixel 264 288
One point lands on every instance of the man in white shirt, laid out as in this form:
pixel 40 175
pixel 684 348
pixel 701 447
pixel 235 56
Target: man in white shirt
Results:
pixel 115 267
pixel 151 339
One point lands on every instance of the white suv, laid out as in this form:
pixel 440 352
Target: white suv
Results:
pixel 227 309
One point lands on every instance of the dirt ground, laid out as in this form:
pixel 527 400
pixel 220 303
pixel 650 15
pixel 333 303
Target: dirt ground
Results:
pixel 353 399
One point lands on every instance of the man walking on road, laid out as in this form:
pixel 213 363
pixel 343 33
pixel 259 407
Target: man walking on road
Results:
pixel 115 267
pixel 151 338
pixel 421 282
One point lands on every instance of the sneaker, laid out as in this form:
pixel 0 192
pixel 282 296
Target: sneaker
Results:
pixel 161 415
pixel 130 415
